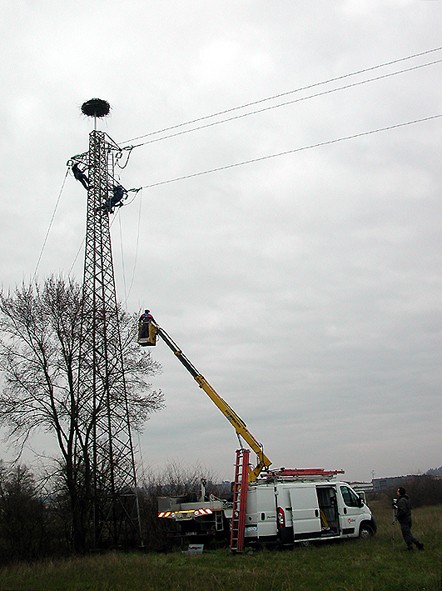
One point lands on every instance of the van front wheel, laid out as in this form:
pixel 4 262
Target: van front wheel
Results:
pixel 365 532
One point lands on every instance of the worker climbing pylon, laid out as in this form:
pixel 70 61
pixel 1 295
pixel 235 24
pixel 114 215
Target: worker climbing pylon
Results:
pixel 119 193
pixel 80 175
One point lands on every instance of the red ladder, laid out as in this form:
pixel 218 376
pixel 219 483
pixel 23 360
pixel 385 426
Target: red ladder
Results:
pixel 240 488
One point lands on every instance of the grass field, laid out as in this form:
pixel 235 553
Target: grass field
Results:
pixel 379 564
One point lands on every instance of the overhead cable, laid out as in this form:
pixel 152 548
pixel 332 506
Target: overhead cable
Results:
pixel 50 225
pixel 123 268
pixel 280 95
pixel 291 102
pixel 136 253
pixel 77 255
pixel 295 150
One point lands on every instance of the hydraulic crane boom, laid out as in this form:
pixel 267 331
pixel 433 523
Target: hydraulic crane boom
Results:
pixel 147 335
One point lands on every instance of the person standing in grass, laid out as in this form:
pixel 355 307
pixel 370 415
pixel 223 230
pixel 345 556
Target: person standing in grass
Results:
pixel 403 515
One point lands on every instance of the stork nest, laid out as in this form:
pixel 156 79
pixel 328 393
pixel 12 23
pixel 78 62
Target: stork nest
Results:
pixel 95 108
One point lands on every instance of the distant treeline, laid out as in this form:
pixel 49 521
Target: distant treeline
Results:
pixel 35 519
pixel 423 490
pixel 434 471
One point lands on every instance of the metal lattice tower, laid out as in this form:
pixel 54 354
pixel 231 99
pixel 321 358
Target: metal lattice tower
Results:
pixel 106 441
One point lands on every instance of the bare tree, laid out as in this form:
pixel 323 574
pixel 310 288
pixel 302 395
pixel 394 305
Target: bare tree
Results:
pixel 40 344
pixel 21 510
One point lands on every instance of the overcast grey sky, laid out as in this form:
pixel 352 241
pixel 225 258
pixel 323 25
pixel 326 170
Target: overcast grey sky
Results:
pixel 307 287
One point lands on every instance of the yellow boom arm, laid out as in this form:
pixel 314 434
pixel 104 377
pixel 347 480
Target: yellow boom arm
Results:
pixel 147 335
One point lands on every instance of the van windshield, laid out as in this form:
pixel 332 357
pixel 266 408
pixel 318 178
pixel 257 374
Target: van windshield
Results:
pixel 350 498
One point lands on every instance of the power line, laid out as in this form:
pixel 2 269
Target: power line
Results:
pixel 295 150
pixel 77 255
pixel 277 96
pixel 136 252
pixel 123 268
pixel 50 225
pixel 323 93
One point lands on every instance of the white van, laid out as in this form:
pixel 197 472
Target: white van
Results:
pixel 293 512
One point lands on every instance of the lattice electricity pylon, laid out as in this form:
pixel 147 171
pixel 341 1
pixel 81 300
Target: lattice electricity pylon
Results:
pixel 105 433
